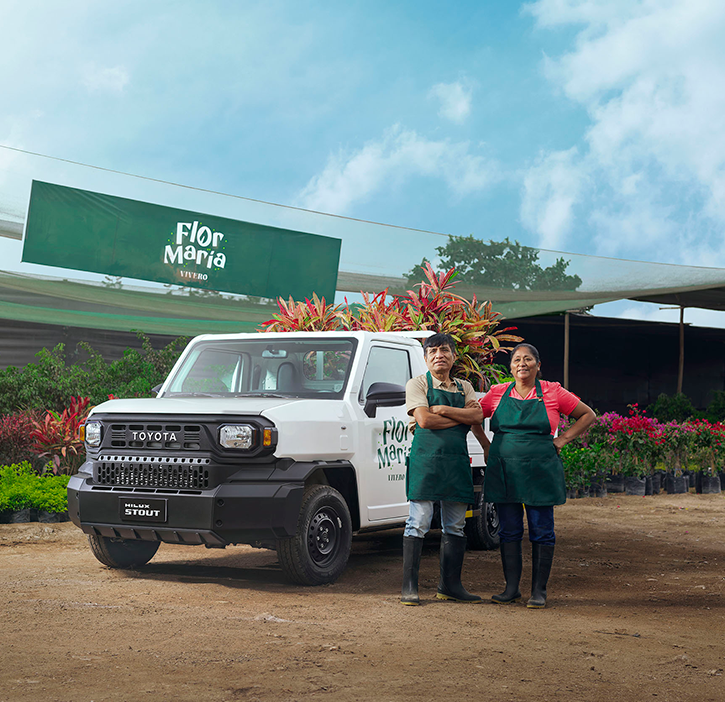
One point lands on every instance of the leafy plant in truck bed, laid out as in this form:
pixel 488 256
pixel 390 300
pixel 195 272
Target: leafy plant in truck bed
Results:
pixel 433 307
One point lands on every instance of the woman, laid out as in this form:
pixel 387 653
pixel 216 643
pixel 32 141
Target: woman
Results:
pixel 523 468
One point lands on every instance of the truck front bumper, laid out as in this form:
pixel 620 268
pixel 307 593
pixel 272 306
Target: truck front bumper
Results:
pixel 228 514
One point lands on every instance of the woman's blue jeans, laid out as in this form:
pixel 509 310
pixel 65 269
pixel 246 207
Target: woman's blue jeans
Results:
pixel 511 520
pixel 453 518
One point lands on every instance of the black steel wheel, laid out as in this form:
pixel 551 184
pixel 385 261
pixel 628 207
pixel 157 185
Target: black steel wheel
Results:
pixel 318 552
pixel 482 529
pixel 122 553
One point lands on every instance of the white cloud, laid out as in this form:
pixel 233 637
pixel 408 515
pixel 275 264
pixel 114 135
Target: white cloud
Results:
pixel 106 80
pixel 648 74
pixel 551 188
pixel 400 154
pixel 455 100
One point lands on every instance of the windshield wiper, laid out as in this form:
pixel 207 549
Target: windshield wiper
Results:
pixel 260 394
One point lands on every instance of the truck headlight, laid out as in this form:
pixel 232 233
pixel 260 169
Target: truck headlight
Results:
pixel 236 436
pixel 93 434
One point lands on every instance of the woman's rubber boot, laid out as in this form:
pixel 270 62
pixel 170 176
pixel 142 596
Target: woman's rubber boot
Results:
pixel 412 548
pixel 511 561
pixel 542 556
pixel 453 549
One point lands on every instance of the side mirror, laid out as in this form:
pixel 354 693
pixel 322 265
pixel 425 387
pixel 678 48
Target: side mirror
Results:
pixel 155 390
pixel 383 395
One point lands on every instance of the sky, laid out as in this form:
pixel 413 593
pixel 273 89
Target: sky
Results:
pixel 585 126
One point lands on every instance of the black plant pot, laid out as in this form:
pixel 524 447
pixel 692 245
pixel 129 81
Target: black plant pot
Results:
pixel 52 517
pixel 710 485
pixel 22 516
pixel 675 485
pixel 656 484
pixel 5 517
pixel 598 488
pixel 634 486
pixel 615 483
pixel 722 480
pixel 648 485
pixel 570 494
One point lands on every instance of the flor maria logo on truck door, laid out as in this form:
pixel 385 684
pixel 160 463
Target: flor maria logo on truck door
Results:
pixel 195 249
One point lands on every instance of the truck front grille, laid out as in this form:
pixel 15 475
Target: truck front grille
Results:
pixel 156 472
pixel 153 435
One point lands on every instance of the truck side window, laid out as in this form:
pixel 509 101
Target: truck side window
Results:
pixel 385 365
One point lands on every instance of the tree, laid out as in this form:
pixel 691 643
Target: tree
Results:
pixel 500 264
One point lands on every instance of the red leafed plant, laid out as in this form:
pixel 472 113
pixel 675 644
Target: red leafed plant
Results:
pixel 310 315
pixel 433 307
pixel 57 436
pixel 15 442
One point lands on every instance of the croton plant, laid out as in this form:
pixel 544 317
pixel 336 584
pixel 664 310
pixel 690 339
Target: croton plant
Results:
pixel 432 307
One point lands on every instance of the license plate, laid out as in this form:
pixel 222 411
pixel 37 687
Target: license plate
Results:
pixel 142 510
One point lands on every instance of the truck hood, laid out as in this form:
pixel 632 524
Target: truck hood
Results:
pixel 195 405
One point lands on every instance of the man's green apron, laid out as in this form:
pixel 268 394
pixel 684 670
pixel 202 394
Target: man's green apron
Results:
pixel 438 467
pixel 523 465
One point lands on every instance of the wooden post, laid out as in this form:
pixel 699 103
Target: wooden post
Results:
pixel 566 349
pixel 681 368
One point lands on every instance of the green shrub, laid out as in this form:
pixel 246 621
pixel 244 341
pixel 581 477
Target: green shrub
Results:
pixel 22 488
pixel 50 383
pixel 675 408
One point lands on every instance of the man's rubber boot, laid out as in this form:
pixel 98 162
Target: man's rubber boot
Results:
pixel 542 556
pixel 412 548
pixel 511 562
pixel 453 549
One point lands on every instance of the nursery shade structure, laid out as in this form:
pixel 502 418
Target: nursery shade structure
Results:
pixel 519 281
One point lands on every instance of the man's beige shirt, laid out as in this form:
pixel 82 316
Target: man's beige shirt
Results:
pixel 416 393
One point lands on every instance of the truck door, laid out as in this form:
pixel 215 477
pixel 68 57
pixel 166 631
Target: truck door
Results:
pixel 385 439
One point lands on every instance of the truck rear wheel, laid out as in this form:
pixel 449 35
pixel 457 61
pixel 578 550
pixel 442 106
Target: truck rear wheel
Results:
pixel 482 530
pixel 122 553
pixel 318 552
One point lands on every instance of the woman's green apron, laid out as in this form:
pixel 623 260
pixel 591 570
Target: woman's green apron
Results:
pixel 523 464
pixel 438 467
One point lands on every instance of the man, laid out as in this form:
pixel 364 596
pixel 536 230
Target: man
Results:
pixel 443 410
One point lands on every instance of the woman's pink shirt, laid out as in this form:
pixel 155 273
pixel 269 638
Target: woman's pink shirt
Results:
pixel 557 400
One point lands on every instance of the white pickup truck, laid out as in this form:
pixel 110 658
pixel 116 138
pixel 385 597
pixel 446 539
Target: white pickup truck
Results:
pixel 289 441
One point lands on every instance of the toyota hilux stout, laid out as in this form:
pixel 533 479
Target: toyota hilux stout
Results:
pixel 288 441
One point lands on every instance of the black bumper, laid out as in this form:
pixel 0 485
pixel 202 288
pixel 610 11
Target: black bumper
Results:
pixel 227 514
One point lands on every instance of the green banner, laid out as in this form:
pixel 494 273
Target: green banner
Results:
pixel 88 231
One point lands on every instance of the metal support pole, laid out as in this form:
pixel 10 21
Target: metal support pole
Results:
pixel 681 368
pixel 566 350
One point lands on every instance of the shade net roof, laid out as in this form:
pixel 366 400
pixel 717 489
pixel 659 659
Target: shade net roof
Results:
pixel 519 281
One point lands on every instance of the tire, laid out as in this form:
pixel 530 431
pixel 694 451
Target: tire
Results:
pixel 482 530
pixel 122 553
pixel 318 552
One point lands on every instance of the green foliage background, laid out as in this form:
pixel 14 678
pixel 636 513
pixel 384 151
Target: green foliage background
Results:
pixel 49 383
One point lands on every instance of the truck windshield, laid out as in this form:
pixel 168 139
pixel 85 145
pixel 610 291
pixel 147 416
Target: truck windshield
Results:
pixel 296 368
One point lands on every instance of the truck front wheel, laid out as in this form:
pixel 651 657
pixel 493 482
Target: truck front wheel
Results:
pixel 122 553
pixel 318 552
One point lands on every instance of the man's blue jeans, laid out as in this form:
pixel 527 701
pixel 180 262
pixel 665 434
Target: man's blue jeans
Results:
pixel 511 519
pixel 453 518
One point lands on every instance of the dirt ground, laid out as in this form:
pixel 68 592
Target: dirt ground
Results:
pixel 635 612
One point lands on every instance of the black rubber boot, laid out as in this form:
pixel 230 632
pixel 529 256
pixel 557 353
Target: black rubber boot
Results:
pixel 453 549
pixel 542 556
pixel 412 548
pixel 511 561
